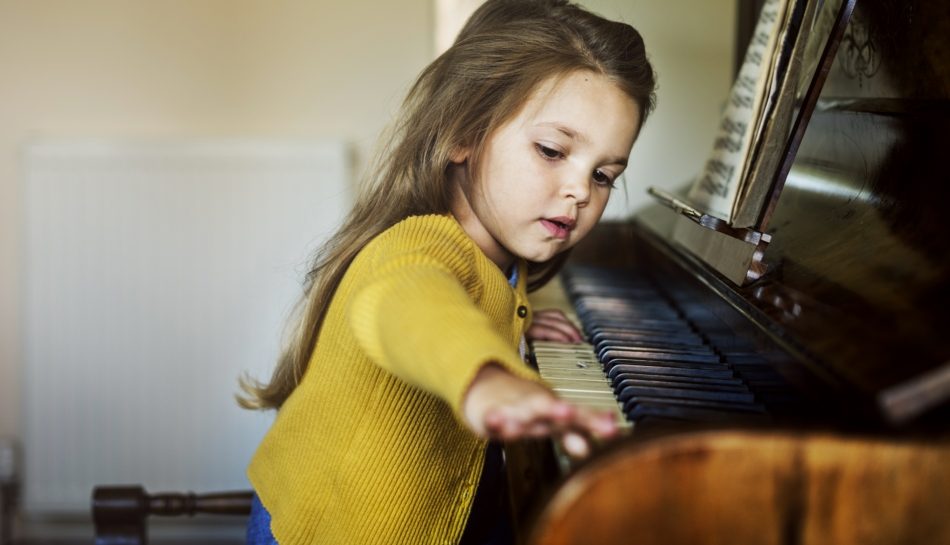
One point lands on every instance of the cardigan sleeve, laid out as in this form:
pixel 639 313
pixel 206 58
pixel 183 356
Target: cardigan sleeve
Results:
pixel 415 317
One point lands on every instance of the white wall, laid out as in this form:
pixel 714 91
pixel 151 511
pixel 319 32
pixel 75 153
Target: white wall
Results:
pixel 286 68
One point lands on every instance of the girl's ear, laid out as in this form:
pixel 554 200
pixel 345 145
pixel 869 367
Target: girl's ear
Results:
pixel 459 155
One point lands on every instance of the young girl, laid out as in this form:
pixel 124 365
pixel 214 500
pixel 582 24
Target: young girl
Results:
pixel 407 356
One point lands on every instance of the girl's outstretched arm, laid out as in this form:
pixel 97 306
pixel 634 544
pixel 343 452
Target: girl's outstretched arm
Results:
pixel 500 405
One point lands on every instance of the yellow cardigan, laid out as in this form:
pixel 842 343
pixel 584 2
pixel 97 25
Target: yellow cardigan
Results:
pixel 370 447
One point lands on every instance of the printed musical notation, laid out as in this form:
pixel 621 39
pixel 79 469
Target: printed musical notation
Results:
pixel 717 186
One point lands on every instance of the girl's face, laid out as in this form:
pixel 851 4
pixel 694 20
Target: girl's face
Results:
pixel 545 175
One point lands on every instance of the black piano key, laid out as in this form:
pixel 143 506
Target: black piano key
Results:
pixel 686 341
pixel 654 346
pixel 652 321
pixel 633 320
pixel 666 329
pixel 602 349
pixel 635 295
pixel 649 328
pixel 624 308
pixel 630 298
pixel 644 313
pixel 675 340
pixel 628 379
pixel 631 403
pixel 649 312
pixel 649 339
pixel 686 371
pixel 650 308
pixel 699 381
pixel 592 281
pixel 641 297
pixel 610 365
pixel 625 392
pixel 693 414
pixel 672 345
pixel 640 354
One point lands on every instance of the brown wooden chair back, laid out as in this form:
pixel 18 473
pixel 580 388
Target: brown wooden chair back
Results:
pixel 756 488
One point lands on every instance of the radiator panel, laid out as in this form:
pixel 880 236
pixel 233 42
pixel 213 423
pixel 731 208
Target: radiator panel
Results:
pixel 154 275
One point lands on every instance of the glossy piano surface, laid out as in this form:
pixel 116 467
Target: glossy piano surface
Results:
pixel 858 287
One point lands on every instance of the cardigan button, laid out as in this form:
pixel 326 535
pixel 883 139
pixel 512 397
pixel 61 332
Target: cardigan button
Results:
pixel 522 311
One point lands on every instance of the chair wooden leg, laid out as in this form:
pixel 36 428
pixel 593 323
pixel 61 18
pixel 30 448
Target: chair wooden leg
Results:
pixel 120 513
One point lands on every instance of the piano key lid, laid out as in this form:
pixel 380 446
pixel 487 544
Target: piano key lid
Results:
pixel 736 253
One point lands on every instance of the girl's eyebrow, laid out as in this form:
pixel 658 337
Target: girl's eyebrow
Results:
pixel 569 132
pixel 582 138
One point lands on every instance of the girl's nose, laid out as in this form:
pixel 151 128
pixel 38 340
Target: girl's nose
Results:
pixel 576 185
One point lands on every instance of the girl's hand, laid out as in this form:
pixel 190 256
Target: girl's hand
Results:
pixel 500 405
pixel 553 325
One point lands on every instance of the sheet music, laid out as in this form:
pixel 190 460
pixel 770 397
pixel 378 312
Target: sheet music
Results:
pixel 717 187
pixel 776 116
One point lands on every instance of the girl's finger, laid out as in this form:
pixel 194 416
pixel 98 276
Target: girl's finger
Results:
pixel 565 327
pixel 575 444
pixel 544 415
pixel 556 317
pixel 541 332
pixel 524 414
pixel 494 422
pixel 560 331
pixel 559 323
pixel 551 312
pixel 596 423
pixel 560 413
pixel 539 429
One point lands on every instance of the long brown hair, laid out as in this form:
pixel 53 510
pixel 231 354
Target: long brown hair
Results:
pixel 506 49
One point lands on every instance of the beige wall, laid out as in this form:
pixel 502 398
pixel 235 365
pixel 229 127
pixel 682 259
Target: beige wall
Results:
pixel 285 68
pixel 176 68
pixel 689 43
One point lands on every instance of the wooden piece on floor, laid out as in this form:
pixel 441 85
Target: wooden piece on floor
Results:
pixel 756 487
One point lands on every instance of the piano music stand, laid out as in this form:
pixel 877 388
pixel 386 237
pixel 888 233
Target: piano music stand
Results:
pixel 757 237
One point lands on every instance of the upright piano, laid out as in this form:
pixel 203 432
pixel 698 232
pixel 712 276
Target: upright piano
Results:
pixel 816 397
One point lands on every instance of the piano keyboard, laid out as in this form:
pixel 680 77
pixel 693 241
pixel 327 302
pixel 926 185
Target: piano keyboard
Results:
pixel 647 360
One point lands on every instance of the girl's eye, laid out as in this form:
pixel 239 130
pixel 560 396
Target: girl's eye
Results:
pixel 602 178
pixel 548 153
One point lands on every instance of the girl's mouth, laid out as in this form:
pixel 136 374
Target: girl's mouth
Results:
pixel 559 227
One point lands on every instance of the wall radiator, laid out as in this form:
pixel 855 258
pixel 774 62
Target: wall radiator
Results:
pixel 154 275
